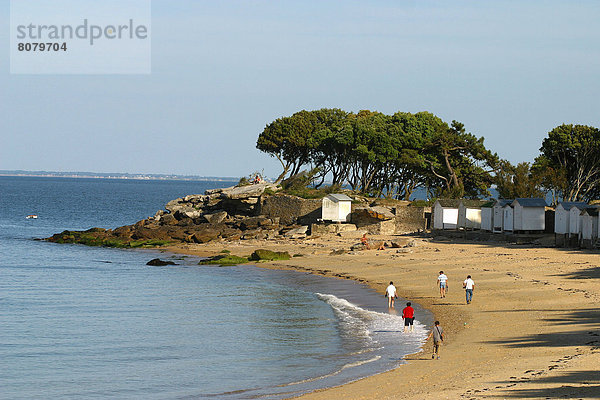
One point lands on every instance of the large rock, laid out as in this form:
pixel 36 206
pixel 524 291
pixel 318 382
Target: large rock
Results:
pixel 371 214
pixel 332 228
pixel 145 233
pixel 216 218
pixel 242 192
pixel 204 236
pixel 123 232
pixel 257 222
pixel 157 262
pixel 403 242
pixel 297 233
pixel 195 198
pixel 168 219
pixel 192 214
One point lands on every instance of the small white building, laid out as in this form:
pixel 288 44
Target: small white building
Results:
pixel 336 207
pixel 487 216
pixel 445 214
pixel 498 217
pixel 529 214
pixel 562 215
pixel 589 227
pixel 575 221
pixel 469 213
pixel 507 218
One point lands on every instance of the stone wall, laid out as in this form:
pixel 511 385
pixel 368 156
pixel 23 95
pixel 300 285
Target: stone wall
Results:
pixel 291 209
pixel 411 219
pixel 331 228
pixel 380 228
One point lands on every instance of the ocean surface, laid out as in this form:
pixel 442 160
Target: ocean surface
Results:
pixel 81 323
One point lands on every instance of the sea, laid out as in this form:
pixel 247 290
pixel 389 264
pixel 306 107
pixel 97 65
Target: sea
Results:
pixel 81 322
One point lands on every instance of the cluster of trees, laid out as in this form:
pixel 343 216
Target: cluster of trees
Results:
pixel 391 155
pixel 568 167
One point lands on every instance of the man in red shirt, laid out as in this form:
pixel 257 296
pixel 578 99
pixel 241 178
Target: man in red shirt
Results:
pixel 408 313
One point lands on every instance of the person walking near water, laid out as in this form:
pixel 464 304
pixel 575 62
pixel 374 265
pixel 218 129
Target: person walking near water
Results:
pixel 442 283
pixel 468 284
pixel 408 313
pixel 390 293
pixel 438 337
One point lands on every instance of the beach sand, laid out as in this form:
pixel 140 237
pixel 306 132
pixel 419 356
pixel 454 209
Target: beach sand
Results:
pixel 532 330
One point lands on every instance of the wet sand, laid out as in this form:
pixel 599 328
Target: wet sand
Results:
pixel 532 330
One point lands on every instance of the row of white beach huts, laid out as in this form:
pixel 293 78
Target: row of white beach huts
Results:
pixel 574 223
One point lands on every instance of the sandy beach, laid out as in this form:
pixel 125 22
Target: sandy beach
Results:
pixel 532 330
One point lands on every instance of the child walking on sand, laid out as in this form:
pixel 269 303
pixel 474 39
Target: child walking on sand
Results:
pixel 438 337
pixel 442 283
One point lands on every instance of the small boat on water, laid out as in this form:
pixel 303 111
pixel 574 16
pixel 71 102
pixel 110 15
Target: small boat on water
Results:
pixel 31 216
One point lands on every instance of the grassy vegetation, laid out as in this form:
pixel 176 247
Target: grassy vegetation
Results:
pixel 268 255
pixel 224 260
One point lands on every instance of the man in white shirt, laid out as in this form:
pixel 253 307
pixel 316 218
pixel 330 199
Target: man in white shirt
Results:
pixel 390 293
pixel 442 283
pixel 468 284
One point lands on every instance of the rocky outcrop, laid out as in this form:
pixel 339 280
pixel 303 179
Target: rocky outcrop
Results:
pixel 230 213
pixel 239 213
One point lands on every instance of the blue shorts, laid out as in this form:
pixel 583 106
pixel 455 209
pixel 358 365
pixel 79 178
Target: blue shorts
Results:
pixel 443 285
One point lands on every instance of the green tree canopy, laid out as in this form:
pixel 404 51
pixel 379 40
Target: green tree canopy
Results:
pixel 380 154
pixel 517 181
pixel 569 163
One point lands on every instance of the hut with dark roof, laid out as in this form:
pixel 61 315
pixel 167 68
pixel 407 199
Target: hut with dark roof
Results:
pixel 529 215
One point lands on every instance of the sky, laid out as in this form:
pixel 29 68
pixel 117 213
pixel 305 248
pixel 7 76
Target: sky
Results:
pixel 511 71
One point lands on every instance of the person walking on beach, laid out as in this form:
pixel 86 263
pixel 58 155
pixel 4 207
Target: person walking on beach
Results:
pixel 390 293
pixel 438 337
pixel 468 284
pixel 408 314
pixel 442 283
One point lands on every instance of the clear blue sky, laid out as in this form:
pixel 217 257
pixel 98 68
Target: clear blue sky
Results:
pixel 221 70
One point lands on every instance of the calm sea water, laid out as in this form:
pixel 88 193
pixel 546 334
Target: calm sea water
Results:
pixel 79 322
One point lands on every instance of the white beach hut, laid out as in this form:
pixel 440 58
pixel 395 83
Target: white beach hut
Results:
pixel 469 213
pixel 589 227
pixel 498 217
pixel 507 218
pixel 529 215
pixel 445 213
pixel 575 221
pixel 336 207
pixel 487 216
pixel 562 215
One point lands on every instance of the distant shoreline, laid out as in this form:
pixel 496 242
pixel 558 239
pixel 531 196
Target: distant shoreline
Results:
pixel 91 175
